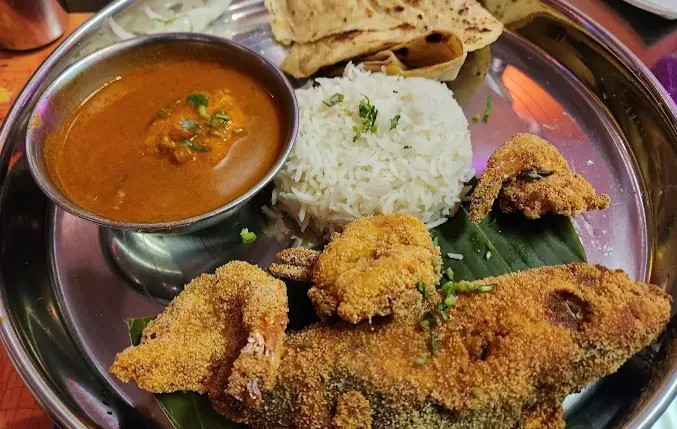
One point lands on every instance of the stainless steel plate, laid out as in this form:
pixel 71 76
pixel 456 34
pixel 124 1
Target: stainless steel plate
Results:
pixel 67 286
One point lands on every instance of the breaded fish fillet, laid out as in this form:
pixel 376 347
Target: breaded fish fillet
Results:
pixel 234 319
pixel 504 360
pixel 529 175
pixel 378 265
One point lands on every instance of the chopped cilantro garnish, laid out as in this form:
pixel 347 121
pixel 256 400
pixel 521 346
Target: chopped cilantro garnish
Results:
pixel 307 343
pixel 450 300
pixel 430 318
pixel 202 111
pixel 407 147
pixel 334 99
pixel 394 121
pixel 188 124
pixel 197 100
pixel 247 236
pixel 433 344
pixel 222 116
pixel 463 286
pixel 476 117
pixel 487 111
pixel 533 175
pixel 195 147
pixel 448 288
pixel 164 113
pixel 368 114
pixel 442 309
pixel 422 289
pixel 450 273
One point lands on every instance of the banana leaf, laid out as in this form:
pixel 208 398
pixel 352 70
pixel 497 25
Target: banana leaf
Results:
pixel 502 243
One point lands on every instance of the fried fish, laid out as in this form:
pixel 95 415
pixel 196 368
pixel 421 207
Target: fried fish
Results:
pixel 530 176
pixel 378 265
pixel 505 358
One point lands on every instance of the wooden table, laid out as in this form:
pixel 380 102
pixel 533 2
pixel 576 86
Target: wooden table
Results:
pixel 18 409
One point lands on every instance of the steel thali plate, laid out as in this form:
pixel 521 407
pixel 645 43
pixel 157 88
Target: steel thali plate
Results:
pixel 67 286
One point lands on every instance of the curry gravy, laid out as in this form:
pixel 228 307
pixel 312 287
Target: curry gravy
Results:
pixel 142 149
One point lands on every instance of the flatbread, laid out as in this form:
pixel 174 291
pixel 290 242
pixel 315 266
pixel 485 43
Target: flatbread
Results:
pixel 307 58
pixel 434 55
pixel 466 18
pixel 305 21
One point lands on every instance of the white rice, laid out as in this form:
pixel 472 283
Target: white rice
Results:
pixel 419 168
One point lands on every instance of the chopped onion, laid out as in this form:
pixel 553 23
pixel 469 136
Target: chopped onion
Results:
pixel 150 13
pixel 456 256
pixel 119 31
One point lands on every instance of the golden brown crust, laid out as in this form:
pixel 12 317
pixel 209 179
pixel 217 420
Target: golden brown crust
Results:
pixel 373 268
pixel 298 256
pixel 352 411
pixel 539 335
pixel 565 195
pixel 559 191
pixel 291 272
pixel 234 318
pixel 295 264
pixel 546 415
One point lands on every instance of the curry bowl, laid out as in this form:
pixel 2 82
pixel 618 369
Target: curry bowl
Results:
pixel 172 154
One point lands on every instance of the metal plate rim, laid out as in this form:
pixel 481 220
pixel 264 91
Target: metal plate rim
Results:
pixel 664 396
pixel 60 411
pixel 54 406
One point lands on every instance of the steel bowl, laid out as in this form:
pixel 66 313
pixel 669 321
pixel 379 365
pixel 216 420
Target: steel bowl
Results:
pixel 76 84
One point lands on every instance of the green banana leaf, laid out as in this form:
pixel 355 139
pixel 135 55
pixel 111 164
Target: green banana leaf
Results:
pixel 502 243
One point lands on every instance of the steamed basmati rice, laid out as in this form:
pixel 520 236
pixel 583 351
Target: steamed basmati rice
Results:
pixel 420 167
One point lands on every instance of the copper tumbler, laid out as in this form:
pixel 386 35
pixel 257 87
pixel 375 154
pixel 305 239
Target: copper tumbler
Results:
pixel 29 24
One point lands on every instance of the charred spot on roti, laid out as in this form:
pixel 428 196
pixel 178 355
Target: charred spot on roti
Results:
pixel 402 52
pixel 347 35
pixel 436 38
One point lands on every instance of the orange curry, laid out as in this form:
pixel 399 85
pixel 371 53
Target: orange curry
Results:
pixel 167 142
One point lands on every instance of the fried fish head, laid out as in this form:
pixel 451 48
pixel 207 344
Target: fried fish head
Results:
pixel 532 177
pixel 230 322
